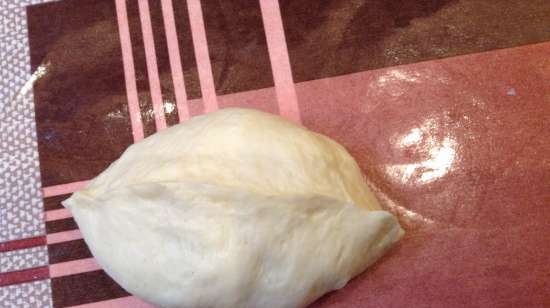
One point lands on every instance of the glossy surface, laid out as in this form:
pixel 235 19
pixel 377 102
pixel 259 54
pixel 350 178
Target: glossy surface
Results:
pixel 458 148
pixel 83 89
pixel 333 37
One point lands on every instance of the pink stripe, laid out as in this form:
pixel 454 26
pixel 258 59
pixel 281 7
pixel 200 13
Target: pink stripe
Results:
pixel 151 60
pixel 280 63
pixel 175 59
pixel 123 302
pixel 201 53
pixel 73 267
pixel 63 189
pixel 57 214
pixel 65 236
pixel 263 99
pixel 129 71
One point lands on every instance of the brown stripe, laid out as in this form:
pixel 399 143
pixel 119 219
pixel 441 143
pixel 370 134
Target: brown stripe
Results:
pixel 237 45
pixel 84 288
pixel 333 37
pixel 23 243
pixel 27 275
pixel 81 111
pixel 187 54
pixel 68 251
pixel 140 65
pixel 61 225
pixel 54 203
pixel 163 62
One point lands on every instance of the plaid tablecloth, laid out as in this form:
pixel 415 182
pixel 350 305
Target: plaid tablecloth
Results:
pixel 445 104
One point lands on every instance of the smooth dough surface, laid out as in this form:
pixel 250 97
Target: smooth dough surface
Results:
pixel 236 208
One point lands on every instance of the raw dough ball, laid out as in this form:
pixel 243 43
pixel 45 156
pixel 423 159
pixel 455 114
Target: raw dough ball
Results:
pixel 236 208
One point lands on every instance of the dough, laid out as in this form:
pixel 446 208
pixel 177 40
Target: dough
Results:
pixel 234 209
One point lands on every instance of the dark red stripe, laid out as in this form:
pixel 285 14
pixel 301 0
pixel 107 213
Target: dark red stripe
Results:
pixel 61 225
pixel 187 54
pixel 140 64
pixel 237 45
pixel 163 62
pixel 54 203
pixel 68 251
pixel 23 243
pixel 84 288
pixel 27 275
pixel 376 34
pixel 81 109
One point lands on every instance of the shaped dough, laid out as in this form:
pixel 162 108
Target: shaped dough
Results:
pixel 236 208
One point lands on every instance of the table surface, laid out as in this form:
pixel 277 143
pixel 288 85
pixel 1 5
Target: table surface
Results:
pixel 445 105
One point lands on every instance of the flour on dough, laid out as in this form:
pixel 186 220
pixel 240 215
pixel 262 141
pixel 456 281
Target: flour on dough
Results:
pixel 236 208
